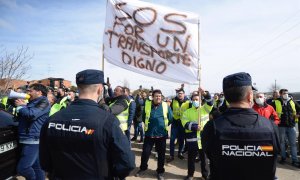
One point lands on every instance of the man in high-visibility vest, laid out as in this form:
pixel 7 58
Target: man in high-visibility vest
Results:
pixel 60 102
pixel 59 105
pixel 193 130
pixel 118 106
pixel 55 107
pixel 157 116
pixel 179 104
pixel 61 96
pixel 3 102
pixel 286 110
pixel 275 96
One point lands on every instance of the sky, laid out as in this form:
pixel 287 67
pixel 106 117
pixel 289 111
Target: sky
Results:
pixel 261 37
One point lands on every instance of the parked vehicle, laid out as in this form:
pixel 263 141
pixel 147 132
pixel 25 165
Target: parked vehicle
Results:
pixel 9 148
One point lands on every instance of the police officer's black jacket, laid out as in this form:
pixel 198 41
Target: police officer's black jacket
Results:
pixel 85 142
pixel 241 145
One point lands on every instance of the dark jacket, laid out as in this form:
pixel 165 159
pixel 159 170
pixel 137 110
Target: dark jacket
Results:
pixel 110 92
pixel 120 104
pixel 140 103
pixel 85 142
pixel 31 118
pixel 287 118
pixel 132 109
pixel 231 133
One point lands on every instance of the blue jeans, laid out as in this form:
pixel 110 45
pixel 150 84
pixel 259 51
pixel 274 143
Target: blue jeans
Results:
pixel 290 133
pixel 138 129
pixel 29 164
pixel 177 131
pixel 127 133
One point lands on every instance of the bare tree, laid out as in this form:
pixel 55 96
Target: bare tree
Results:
pixel 13 65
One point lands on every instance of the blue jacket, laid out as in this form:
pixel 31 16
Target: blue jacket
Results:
pixel 131 115
pixel 156 127
pixel 31 118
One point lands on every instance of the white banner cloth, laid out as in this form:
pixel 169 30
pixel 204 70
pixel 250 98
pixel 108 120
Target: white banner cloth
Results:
pixel 152 40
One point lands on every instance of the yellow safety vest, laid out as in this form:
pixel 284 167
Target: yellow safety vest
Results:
pixel 279 108
pixel 4 102
pixel 148 105
pixel 191 115
pixel 215 103
pixel 178 110
pixel 227 103
pixel 123 116
pixel 58 106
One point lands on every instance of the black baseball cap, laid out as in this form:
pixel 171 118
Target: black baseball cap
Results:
pixel 90 76
pixel 237 80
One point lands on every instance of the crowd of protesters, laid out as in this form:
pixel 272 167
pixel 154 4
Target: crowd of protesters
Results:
pixel 148 113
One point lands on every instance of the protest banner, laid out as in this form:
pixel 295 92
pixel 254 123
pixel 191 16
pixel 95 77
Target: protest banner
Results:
pixel 152 40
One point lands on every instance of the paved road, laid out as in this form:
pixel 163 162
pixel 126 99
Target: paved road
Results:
pixel 178 168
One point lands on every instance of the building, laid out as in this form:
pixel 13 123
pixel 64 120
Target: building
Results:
pixel 52 82
pixel 55 82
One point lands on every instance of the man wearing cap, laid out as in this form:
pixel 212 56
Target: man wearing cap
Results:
pixel 240 144
pixel 83 141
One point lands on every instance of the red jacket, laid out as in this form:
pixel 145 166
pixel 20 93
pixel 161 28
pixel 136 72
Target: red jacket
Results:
pixel 268 112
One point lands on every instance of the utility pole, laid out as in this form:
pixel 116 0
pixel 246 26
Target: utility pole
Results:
pixel 49 69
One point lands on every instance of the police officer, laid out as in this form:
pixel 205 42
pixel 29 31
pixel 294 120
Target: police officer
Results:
pixel 241 144
pixel 83 141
